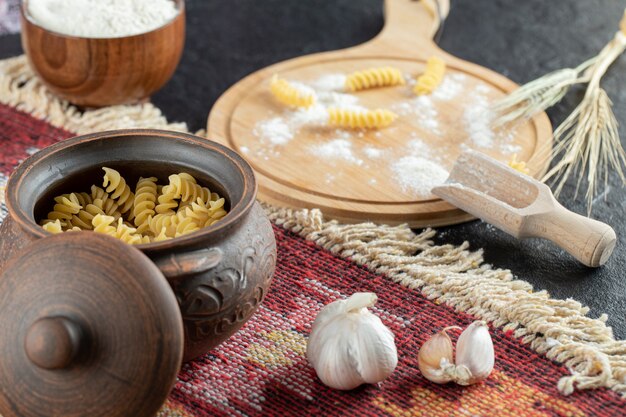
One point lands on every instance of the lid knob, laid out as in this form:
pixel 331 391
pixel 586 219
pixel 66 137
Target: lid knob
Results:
pixel 52 342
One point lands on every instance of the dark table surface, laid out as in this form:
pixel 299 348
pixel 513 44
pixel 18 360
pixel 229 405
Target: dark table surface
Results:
pixel 520 39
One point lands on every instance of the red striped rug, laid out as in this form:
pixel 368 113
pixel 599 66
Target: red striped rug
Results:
pixel 262 369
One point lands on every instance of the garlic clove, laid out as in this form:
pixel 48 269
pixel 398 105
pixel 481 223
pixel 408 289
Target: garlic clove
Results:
pixel 475 356
pixel 435 358
pixel 349 345
pixel 374 349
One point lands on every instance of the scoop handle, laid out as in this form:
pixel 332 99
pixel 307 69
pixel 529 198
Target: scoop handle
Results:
pixel 590 241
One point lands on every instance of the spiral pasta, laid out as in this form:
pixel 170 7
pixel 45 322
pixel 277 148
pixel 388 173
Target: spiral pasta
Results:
pixel 153 214
pixel 82 198
pixel 292 94
pixel 167 201
pixel 362 119
pixel 145 202
pixel 64 209
pixel 54 227
pixel 519 166
pixel 185 188
pixel 116 185
pixel 432 76
pixel 103 224
pixel 161 223
pixel 374 77
pixel 204 215
pixel 105 202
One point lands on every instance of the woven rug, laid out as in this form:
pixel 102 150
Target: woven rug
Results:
pixel 545 348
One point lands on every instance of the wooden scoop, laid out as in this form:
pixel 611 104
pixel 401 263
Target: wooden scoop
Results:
pixel 523 207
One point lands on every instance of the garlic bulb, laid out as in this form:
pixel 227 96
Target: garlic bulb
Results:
pixel 349 345
pixel 475 356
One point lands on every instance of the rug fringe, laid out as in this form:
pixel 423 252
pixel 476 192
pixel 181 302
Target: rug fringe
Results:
pixel 21 89
pixel 560 329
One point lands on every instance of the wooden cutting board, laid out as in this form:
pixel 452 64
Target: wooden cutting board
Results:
pixel 366 175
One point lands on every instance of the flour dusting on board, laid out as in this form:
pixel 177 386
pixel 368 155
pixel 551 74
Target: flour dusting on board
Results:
pixel 336 149
pixel 274 131
pixel 330 82
pixel 417 175
pixel 423 110
pixel 450 88
pixel 477 118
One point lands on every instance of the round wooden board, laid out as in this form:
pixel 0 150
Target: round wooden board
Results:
pixel 359 176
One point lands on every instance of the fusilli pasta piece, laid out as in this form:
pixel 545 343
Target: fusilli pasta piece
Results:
pixel 186 188
pixel 205 215
pixel 518 165
pixel 145 202
pixel 363 119
pixel 161 236
pixel 374 77
pixel 103 224
pixel 432 76
pixel 129 235
pixel 53 227
pixel 292 94
pixel 163 222
pixel 185 226
pixel 83 198
pixel 167 201
pixel 64 209
pixel 107 204
pixel 120 192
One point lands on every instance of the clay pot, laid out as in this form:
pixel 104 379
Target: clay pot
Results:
pixel 219 274
pixel 105 71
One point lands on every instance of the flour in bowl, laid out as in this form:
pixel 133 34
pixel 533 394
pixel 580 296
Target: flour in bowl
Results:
pixel 101 18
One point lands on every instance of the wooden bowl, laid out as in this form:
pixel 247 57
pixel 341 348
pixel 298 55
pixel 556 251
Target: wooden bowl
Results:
pixel 219 274
pixel 100 72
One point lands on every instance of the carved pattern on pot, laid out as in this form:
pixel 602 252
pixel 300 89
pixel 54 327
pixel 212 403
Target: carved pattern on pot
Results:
pixel 215 291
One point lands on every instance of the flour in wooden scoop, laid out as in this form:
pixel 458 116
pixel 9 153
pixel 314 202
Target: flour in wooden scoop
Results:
pixel 101 18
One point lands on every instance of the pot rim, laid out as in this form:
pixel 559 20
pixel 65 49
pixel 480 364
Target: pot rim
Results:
pixel 237 211
pixel 180 6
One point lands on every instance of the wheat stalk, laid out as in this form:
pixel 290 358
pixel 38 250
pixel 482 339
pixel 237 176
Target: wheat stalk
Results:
pixel 589 139
pixel 538 95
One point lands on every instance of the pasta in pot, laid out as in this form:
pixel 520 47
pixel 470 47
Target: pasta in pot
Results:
pixel 152 214
pixel 119 190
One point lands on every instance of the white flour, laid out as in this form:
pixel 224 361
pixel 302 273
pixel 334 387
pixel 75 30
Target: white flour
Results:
pixel 477 117
pixel 336 149
pixel 330 82
pixel 417 175
pixel 373 153
pixel 274 131
pixel 451 86
pixel 102 18
pixel 422 109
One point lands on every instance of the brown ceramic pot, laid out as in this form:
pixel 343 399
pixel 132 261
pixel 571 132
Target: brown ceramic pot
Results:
pixel 105 71
pixel 219 274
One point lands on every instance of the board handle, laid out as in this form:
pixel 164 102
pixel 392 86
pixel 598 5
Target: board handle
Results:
pixel 411 21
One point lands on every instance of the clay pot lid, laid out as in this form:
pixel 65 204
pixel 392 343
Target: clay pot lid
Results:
pixel 88 327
